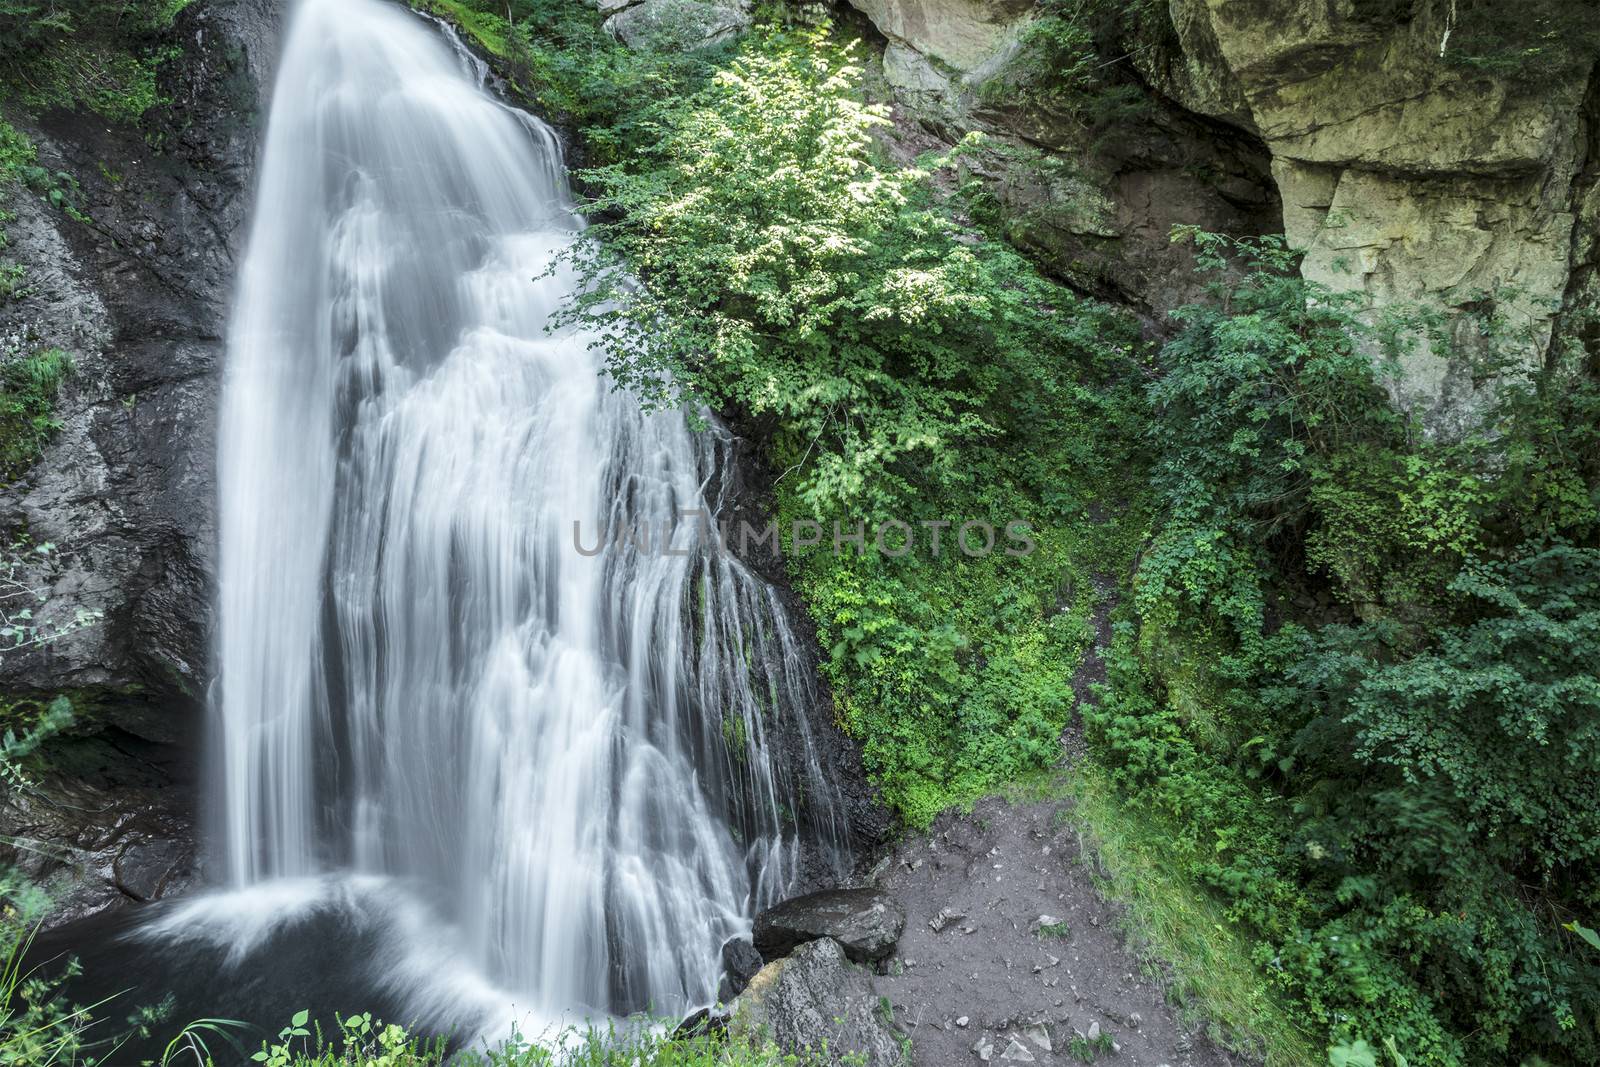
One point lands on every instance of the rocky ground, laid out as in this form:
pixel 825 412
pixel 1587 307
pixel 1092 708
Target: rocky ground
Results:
pixel 1010 955
pixel 985 940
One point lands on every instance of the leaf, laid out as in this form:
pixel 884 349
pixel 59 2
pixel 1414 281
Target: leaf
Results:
pixel 1359 1054
pixel 1585 933
pixel 300 1017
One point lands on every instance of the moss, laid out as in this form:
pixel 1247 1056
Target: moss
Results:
pixel 103 55
pixel 16 153
pixel 489 31
pixel 28 387
pixel 90 704
pixel 734 736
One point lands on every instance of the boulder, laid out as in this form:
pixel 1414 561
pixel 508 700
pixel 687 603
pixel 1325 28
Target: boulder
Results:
pixel 740 963
pixel 707 1022
pixel 965 35
pixel 677 25
pixel 816 1002
pixel 866 922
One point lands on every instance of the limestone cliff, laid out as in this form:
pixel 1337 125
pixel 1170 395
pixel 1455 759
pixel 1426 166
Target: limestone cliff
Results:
pixel 1406 170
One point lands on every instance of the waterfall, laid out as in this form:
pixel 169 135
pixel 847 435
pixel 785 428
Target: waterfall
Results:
pixel 593 767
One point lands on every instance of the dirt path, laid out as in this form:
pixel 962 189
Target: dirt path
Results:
pixel 976 972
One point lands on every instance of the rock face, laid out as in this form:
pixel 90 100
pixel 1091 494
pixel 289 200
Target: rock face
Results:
pixel 105 826
pixel 816 1003
pixel 961 35
pixel 1405 176
pixel 138 296
pixel 1402 175
pixel 1095 204
pixel 866 922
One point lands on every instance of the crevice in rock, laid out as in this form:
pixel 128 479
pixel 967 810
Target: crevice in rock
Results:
pixel 1579 317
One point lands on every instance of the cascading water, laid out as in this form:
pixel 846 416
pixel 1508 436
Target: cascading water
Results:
pixel 593 767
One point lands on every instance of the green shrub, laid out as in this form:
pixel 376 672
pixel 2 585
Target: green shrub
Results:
pixel 559 57
pixel 1538 44
pixel 901 369
pixel 1359 679
pixel 1071 60
pixel 362 1041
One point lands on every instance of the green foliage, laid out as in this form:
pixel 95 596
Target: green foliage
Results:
pixel 358 1041
pixel 1359 682
pixel 37 1023
pixel 28 386
pixel 100 54
pixel 839 303
pixel 1262 389
pixel 17 747
pixel 362 1041
pixel 1213 979
pixel 559 57
pixel 906 370
pixel 1071 61
pixel 1538 44
pixel 16 154
pixel 1496 724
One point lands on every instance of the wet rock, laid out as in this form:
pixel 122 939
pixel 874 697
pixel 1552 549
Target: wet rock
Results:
pixel 740 963
pixel 96 842
pixel 126 486
pixel 983 1048
pixel 816 999
pixel 703 1022
pixel 147 868
pixel 866 922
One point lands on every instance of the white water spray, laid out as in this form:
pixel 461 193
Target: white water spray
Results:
pixel 594 768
